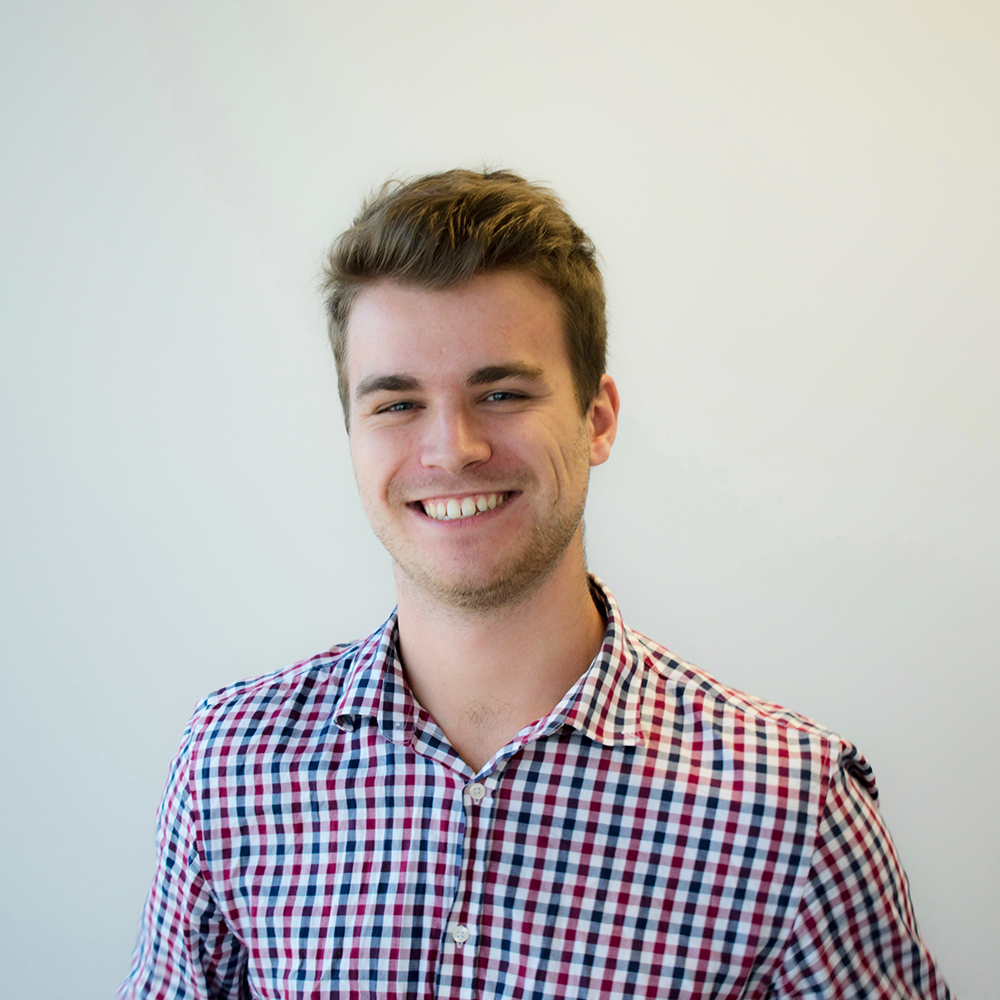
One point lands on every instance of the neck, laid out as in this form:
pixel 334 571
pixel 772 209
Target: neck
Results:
pixel 485 676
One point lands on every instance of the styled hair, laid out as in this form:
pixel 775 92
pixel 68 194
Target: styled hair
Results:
pixel 442 230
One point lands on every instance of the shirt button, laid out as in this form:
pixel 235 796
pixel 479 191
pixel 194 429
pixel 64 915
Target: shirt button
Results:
pixel 460 934
pixel 477 791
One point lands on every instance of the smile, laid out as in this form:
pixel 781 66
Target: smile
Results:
pixel 454 509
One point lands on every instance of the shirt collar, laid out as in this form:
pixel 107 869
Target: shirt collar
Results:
pixel 375 688
pixel 604 704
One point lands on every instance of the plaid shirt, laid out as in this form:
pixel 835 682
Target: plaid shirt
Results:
pixel 656 835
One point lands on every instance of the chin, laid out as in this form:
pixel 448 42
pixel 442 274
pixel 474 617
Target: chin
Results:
pixel 505 587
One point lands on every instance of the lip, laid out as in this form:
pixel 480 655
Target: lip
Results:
pixel 417 506
pixel 461 496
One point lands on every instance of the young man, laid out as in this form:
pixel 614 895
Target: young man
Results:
pixel 505 792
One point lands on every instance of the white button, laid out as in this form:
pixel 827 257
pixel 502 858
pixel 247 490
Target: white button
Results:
pixel 477 791
pixel 460 934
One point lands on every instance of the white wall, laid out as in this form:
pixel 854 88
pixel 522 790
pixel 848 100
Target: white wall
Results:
pixel 798 209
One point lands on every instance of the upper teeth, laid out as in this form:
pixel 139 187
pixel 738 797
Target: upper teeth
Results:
pixel 453 510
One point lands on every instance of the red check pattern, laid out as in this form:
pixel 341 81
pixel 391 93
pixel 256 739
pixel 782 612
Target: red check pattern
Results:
pixel 657 835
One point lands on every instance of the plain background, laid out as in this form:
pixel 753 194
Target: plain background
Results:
pixel 797 205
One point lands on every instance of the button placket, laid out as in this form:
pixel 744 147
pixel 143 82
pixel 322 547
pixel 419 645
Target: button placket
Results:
pixel 460 959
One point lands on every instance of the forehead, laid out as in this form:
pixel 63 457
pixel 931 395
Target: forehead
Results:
pixel 493 319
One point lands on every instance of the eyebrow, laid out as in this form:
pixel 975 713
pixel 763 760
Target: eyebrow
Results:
pixel 385 383
pixel 497 373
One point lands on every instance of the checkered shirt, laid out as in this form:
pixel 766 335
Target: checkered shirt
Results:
pixel 656 835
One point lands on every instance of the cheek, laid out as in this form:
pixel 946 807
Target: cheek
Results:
pixel 379 461
pixel 368 462
pixel 573 449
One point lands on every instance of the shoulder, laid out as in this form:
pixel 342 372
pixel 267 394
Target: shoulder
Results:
pixel 684 705
pixel 289 703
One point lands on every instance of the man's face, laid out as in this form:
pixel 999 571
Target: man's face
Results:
pixel 469 449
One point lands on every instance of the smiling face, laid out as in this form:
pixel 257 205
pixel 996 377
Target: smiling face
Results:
pixel 470 452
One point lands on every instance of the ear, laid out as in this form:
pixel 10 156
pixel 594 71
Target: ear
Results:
pixel 602 418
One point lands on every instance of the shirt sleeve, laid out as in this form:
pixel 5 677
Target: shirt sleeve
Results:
pixel 185 949
pixel 855 936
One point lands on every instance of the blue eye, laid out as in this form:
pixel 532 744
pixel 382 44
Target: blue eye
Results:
pixel 399 407
pixel 501 396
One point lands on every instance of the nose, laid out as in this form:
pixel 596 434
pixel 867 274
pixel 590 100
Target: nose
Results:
pixel 454 442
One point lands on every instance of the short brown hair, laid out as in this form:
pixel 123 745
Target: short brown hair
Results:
pixel 444 229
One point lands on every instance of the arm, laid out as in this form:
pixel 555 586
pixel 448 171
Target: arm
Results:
pixel 185 950
pixel 855 936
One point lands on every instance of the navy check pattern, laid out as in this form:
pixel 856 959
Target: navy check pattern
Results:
pixel 657 835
